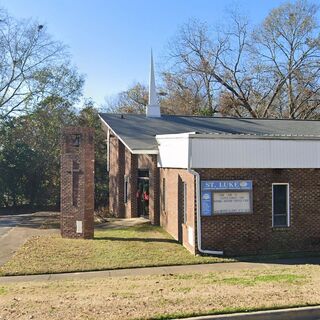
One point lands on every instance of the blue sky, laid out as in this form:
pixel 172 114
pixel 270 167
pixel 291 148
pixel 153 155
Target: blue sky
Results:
pixel 110 40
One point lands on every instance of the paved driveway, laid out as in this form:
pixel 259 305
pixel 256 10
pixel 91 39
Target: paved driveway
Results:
pixel 7 222
pixel 16 229
pixel 3 230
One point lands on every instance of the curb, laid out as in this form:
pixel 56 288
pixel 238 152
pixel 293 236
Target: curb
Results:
pixel 303 313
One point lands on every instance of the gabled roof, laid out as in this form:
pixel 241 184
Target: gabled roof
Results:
pixel 138 132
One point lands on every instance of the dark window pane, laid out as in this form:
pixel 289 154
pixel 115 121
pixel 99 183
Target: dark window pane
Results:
pixel 280 221
pixel 143 173
pixel 280 205
pixel 280 199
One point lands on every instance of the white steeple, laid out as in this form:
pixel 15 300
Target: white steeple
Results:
pixel 153 107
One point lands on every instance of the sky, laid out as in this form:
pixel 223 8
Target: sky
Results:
pixel 110 40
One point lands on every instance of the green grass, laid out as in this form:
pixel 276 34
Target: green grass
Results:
pixel 2 291
pixel 169 296
pixel 246 280
pixel 251 281
pixel 138 246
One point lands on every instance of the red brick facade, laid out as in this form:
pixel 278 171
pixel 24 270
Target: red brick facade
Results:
pixel 245 234
pixel 125 164
pixel 172 207
pixel 253 233
pixel 234 234
pixel 77 183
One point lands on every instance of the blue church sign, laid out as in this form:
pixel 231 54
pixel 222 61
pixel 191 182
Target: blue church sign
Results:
pixel 226 196
pixel 206 203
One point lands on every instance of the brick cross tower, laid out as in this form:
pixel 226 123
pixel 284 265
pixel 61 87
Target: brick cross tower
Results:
pixel 77 183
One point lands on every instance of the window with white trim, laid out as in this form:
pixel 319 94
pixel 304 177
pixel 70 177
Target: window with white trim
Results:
pixel 280 205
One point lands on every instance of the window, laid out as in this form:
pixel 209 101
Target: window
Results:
pixel 184 202
pixel 126 189
pixel 163 194
pixel 280 205
pixel 143 173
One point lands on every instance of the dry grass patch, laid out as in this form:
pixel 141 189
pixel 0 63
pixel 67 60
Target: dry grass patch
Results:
pixel 138 246
pixel 162 297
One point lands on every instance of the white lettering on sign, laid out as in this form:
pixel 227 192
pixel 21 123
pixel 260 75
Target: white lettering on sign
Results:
pixel 226 185
pixel 231 202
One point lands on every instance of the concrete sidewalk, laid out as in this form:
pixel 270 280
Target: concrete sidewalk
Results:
pixel 214 267
pixel 304 313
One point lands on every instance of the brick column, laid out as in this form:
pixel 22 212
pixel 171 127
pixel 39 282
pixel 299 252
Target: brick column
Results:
pixel 77 183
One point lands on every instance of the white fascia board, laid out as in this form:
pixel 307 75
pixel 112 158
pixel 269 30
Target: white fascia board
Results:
pixel 252 136
pixel 144 151
pixel 138 151
pixel 175 135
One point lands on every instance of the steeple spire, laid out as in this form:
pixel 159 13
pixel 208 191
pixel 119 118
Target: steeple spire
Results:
pixel 153 107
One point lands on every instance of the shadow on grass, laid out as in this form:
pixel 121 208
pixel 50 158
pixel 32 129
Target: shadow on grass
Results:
pixel 161 240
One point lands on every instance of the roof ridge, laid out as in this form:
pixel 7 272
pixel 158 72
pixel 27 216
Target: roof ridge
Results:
pixel 209 117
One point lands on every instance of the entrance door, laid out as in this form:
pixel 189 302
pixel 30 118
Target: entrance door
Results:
pixel 143 193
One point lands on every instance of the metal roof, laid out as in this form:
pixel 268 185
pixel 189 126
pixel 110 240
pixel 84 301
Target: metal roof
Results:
pixel 138 132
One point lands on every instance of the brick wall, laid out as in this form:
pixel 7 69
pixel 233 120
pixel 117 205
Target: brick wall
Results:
pixel 171 216
pixel 253 233
pixel 77 182
pixel 149 162
pixel 124 163
pixel 131 168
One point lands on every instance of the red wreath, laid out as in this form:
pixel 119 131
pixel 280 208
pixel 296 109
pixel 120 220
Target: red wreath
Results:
pixel 145 196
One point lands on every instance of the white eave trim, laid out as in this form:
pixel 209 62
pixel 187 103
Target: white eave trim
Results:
pixel 144 151
pixel 252 136
pixel 138 151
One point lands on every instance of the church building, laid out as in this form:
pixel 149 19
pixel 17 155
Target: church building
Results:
pixel 218 185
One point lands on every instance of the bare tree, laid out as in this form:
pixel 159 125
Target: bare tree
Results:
pixel 33 66
pixel 218 60
pixel 182 94
pixel 287 51
pixel 272 71
pixel 133 100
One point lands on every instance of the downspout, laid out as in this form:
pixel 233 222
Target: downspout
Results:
pixel 197 176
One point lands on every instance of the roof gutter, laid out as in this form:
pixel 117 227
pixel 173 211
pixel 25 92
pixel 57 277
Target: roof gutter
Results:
pixel 198 201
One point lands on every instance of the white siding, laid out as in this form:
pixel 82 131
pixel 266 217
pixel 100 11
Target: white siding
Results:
pixel 216 152
pixel 173 152
pixel 254 153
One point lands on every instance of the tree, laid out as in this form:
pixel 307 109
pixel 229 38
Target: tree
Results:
pixel 182 95
pixel 218 60
pixel 30 154
pixel 133 100
pixel 287 46
pixel 269 71
pixel 33 66
pixel 89 117
pixel 17 168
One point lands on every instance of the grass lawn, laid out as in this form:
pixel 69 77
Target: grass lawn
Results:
pixel 162 296
pixel 137 246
